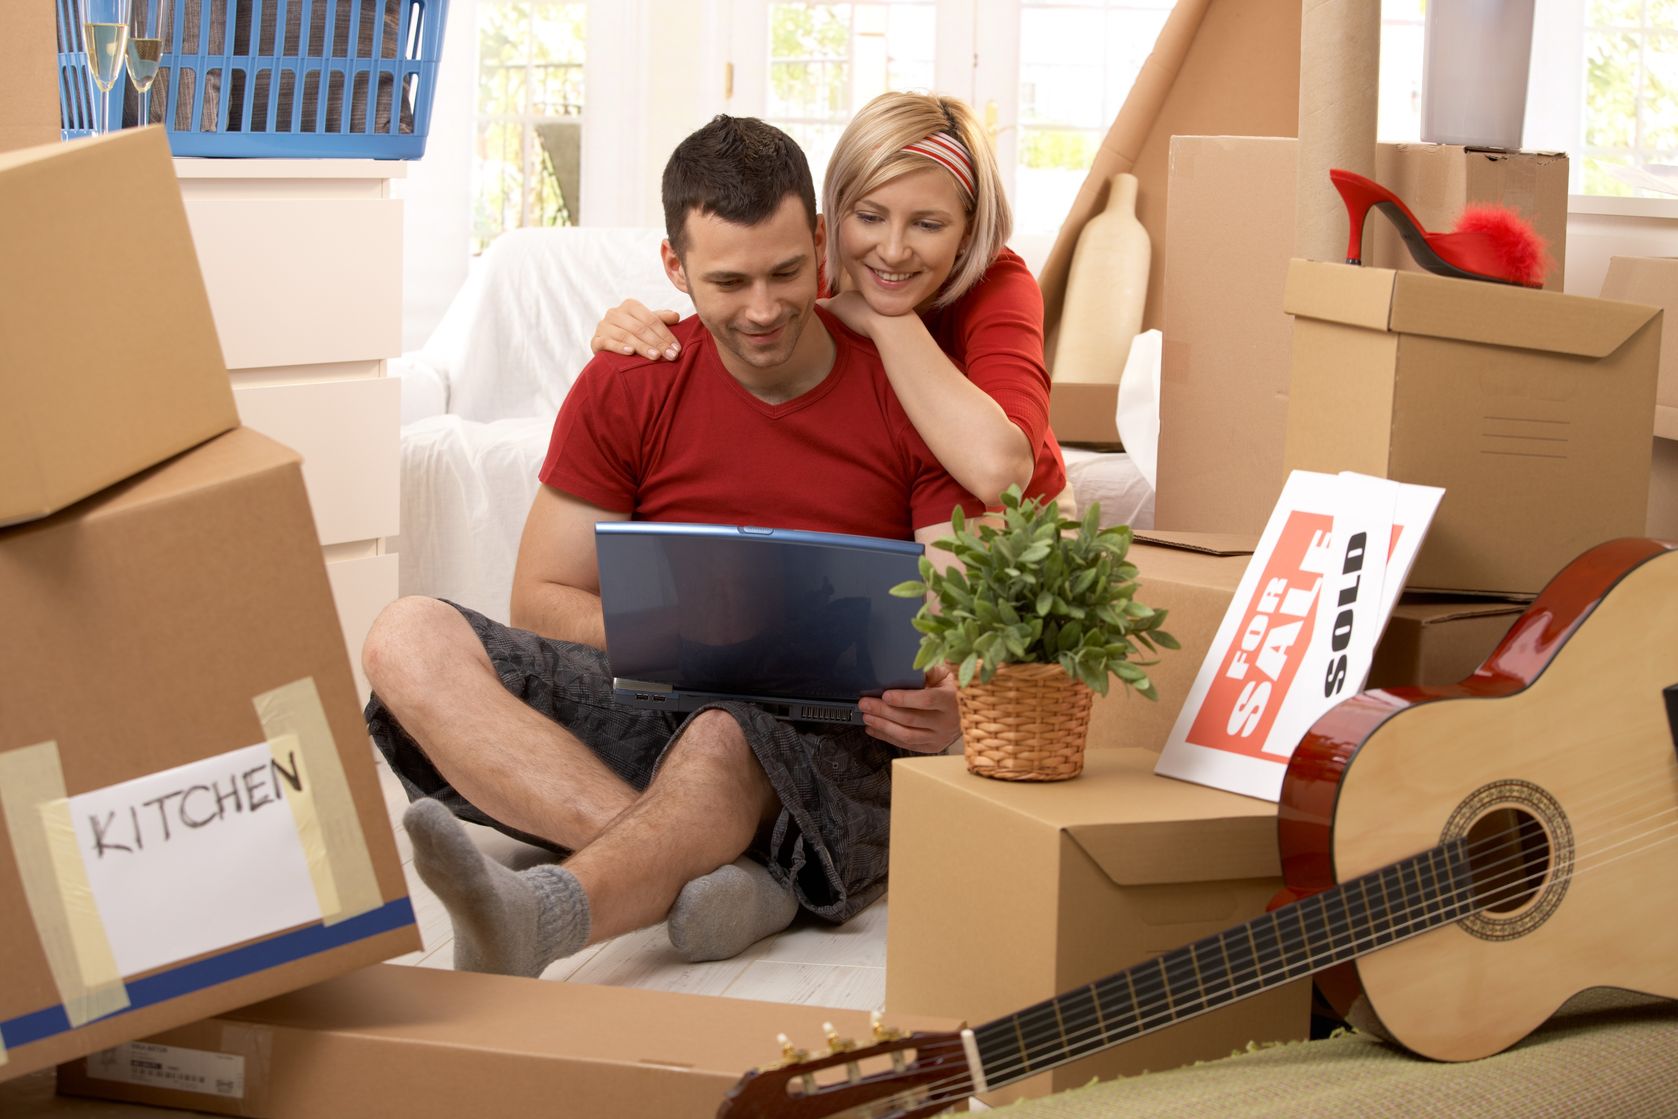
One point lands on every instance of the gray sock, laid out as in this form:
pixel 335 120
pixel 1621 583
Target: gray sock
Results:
pixel 505 922
pixel 728 910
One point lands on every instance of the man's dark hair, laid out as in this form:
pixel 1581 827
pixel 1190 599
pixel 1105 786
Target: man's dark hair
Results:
pixel 739 169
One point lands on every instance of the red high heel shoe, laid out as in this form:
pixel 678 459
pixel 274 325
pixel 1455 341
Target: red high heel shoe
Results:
pixel 1489 242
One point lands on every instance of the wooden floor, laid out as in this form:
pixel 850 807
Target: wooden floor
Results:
pixel 812 963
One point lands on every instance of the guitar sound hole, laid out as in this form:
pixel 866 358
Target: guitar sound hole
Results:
pixel 1509 852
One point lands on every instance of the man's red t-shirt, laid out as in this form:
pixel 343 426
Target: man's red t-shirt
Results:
pixel 994 334
pixel 685 441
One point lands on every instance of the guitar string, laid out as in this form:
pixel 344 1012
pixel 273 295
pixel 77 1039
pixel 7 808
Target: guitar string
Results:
pixel 1145 1023
pixel 1141 1023
pixel 1578 812
pixel 962 1083
pixel 1485 880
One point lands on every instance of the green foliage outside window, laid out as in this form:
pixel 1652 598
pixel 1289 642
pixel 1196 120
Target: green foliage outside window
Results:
pixel 530 80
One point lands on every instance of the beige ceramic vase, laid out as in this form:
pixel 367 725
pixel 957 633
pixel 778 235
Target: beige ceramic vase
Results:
pixel 1105 291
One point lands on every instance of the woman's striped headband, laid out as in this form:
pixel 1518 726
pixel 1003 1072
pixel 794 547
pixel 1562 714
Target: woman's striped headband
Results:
pixel 947 151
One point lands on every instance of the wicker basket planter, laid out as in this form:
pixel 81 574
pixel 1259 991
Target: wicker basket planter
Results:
pixel 1029 723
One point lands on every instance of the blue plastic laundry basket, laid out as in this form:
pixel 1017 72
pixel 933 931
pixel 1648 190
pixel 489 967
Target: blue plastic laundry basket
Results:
pixel 277 79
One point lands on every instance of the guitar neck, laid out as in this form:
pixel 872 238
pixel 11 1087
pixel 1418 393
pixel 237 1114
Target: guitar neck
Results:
pixel 1394 903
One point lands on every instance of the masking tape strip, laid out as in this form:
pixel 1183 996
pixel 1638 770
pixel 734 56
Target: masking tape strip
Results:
pixel 55 885
pixel 295 709
pixel 305 813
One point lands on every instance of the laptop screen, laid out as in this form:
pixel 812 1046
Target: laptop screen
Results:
pixel 755 611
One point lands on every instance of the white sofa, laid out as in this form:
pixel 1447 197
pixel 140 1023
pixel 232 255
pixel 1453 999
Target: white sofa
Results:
pixel 479 400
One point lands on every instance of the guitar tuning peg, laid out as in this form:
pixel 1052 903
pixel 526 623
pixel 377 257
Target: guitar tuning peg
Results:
pixel 835 1043
pixel 884 1033
pixel 790 1053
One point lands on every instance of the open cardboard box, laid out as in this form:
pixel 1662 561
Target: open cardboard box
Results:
pixel 109 361
pixel 1224 378
pixel 1532 409
pixel 168 621
pixel 1005 893
pixel 423 1043
pixel 1429 640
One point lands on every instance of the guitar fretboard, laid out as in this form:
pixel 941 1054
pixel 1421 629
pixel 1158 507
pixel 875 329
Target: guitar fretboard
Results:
pixel 1402 900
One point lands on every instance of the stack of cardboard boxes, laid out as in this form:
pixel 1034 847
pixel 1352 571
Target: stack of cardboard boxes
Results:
pixel 165 608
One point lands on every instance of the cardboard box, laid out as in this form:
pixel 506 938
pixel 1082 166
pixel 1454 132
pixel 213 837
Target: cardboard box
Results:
pixel 167 622
pixel 35 1096
pixel 1652 281
pixel 1534 410
pixel 1663 491
pixel 1430 640
pixel 1085 414
pixel 1192 576
pixel 28 75
pixel 422 1042
pixel 1005 893
pixel 1230 233
pixel 1434 640
pixel 108 355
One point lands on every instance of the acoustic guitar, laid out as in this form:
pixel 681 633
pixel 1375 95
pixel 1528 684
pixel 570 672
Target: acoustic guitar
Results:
pixel 1458 862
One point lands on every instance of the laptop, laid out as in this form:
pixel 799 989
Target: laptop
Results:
pixel 799 623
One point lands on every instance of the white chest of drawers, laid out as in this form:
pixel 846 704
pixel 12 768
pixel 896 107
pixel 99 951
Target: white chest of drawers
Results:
pixel 303 262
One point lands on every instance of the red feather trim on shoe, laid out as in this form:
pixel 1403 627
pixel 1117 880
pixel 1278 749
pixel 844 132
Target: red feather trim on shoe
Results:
pixel 1519 246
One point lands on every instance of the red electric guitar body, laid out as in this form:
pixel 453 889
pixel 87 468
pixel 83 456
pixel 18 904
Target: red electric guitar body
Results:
pixel 1459 862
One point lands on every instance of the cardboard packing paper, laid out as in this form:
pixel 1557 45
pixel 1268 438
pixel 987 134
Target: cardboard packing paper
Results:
pixel 1339 58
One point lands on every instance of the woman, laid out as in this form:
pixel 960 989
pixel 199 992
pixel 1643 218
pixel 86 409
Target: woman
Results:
pixel 917 225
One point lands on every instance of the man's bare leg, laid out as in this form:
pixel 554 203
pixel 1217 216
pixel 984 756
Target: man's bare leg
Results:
pixel 429 668
pixel 708 800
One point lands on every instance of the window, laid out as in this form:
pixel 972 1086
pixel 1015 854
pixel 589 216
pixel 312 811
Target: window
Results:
pixel 1077 61
pixel 1631 94
pixel 826 60
pixel 529 117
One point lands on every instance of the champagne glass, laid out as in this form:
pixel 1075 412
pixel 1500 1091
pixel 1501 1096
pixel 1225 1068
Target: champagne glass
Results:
pixel 146 33
pixel 105 36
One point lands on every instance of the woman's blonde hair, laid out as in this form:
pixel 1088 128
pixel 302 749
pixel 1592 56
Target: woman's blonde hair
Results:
pixel 870 154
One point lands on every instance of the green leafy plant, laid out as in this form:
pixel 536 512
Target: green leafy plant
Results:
pixel 1039 589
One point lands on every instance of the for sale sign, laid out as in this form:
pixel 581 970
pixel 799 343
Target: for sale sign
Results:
pixel 1301 630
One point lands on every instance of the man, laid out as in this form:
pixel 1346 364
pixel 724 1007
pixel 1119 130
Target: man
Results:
pixel 774 414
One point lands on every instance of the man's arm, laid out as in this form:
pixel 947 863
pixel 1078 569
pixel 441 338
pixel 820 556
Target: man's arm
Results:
pixel 924 720
pixel 556 583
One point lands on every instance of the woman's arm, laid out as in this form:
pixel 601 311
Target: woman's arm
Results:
pixel 964 427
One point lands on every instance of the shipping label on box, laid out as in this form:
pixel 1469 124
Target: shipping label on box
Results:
pixel 1301 630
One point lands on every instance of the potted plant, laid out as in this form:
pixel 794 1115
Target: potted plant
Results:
pixel 1035 616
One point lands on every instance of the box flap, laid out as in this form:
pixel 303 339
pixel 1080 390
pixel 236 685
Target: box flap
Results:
pixel 1340 293
pixel 1430 610
pixel 242 451
pixel 1470 310
pixel 1207 543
